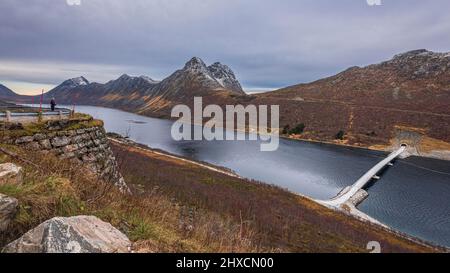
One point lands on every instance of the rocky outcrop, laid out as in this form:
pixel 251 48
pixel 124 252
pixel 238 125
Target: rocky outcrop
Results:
pixel 420 63
pixel 225 76
pixel 8 209
pixel 88 146
pixel 10 173
pixel 81 234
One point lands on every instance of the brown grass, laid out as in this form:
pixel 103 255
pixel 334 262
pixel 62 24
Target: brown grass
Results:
pixel 277 219
pixel 428 144
pixel 155 222
pixel 181 207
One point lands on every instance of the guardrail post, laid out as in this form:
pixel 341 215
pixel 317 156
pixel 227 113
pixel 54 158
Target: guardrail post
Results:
pixel 8 116
pixel 60 114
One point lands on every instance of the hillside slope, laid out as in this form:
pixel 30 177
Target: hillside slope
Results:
pixel 6 93
pixel 191 209
pixel 416 81
pixel 272 218
pixel 372 105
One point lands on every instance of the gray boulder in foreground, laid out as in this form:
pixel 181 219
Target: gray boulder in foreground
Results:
pixel 8 209
pixel 80 234
pixel 10 174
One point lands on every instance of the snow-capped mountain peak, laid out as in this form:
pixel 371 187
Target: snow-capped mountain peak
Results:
pixel 217 74
pixel 75 82
pixel 225 76
pixel 148 79
pixel 195 63
pixel 80 81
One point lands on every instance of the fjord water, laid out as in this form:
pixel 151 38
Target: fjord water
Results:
pixel 413 196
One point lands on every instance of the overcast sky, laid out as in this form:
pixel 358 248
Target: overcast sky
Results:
pixel 268 43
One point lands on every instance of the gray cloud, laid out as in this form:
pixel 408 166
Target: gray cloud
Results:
pixel 268 44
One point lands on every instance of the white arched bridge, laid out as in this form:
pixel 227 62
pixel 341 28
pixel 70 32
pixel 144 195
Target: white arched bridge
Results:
pixel 348 193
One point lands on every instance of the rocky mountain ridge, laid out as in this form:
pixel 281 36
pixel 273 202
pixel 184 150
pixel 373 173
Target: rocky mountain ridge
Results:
pixel 144 94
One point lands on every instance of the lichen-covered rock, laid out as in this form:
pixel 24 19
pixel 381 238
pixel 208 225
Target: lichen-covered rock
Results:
pixel 45 144
pixel 70 148
pixel 10 173
pixel 39 137
pixel 24 139
pixel 8 209
pixel 33 146
pixel 60 141
pixel 80 234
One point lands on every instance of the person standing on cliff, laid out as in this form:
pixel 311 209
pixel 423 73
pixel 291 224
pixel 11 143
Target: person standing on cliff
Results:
pixel 53 104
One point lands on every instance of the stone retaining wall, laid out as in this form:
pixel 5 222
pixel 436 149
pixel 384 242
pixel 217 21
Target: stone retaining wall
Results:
pixel 89 146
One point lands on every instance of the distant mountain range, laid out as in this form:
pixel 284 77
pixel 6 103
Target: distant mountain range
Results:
pixel 145 95
pixel 366 103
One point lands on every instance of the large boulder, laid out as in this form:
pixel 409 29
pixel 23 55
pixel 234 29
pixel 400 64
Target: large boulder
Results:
pixel 8 209
pixel 10 173
pixel 80 234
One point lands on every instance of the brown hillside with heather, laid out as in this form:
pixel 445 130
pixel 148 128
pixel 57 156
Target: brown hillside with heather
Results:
pixel 362 125
pixel 415 81
pixel 410 90
pixel 271 218
pixel 182 206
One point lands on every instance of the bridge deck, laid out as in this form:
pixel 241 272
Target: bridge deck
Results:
pixel 345 196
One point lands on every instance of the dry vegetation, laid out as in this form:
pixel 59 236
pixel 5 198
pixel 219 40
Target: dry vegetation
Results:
pixel 155 222
pixel 180 207
pixel 273 219
pixel 74 122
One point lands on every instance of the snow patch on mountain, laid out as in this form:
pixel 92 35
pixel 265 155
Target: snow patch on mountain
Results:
pixel 125 78
pixel 80 81
pixel 218 73
pixel 75 82
pixel 148 79
pixel 225 76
